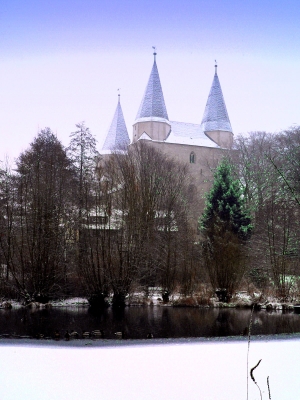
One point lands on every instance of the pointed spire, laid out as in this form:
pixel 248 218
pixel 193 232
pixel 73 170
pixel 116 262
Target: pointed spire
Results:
pixel 153 103
pixel 215 116
pixel 117 137
pixel 154 48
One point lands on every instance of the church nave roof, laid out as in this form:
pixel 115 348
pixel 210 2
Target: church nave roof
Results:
pixel 188 133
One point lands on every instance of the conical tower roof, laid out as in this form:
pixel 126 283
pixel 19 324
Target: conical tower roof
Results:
pixel 153 103
pixel 215 116
pixel 117 137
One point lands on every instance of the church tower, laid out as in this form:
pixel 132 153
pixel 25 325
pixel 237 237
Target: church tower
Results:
pixel 117 137
pixel 152 118
pixel 215 122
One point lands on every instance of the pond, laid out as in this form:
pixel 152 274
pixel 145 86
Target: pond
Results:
pixel 138 322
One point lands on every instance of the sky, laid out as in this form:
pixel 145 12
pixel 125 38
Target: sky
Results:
pixel 62 62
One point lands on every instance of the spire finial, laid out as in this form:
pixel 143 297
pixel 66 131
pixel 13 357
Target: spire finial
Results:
pixel 154 48
pixel 118 95
pixel 216 66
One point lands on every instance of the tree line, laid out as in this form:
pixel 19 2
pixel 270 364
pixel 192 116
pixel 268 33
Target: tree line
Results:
pixel 75 223
pixel 251 222
pixel 269 166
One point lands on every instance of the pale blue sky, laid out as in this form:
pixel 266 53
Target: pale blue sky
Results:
pixel 61 62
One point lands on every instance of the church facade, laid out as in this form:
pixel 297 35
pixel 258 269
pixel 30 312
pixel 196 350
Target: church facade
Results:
pixel 201 146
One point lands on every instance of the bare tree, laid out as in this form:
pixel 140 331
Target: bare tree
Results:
pixel 97 232
pixel 268 165
pixel 82 151
pixel 8 206
pixel 150 206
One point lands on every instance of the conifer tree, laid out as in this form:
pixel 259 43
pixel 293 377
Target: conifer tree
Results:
pixel 38 212
pixel 225 226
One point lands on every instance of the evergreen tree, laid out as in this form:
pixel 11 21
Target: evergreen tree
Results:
pixel 226 226
pixel 39 214
pixel 225 202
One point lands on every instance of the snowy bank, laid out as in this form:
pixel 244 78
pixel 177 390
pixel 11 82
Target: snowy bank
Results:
pixel 180 370
pixel 240 300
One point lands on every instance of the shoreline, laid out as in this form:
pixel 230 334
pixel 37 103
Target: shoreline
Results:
pixel 105 343
pixel 241 301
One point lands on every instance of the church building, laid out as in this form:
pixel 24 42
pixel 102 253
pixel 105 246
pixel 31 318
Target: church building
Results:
pixel 201 146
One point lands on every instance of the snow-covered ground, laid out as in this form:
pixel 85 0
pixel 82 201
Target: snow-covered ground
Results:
pixel 181 370
pixel 72 301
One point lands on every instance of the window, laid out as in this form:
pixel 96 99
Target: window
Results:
pixel 99 219
pixel 192 158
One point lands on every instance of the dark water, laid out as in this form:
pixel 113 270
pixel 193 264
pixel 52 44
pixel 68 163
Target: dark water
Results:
pixel 137 322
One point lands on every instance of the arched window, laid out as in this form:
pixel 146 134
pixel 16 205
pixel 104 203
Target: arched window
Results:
pixel 192 158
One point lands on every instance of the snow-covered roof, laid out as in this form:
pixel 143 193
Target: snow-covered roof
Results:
pixel 153 103
pixel 215 114
pixel 117 136
pixel 145 136
pixel 190 134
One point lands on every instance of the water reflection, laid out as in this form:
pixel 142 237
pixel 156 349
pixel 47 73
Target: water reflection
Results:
pixel 137 322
